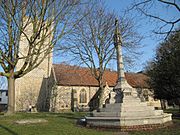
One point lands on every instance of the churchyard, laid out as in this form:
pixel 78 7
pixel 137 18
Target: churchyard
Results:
pixel 66 124
pixel 86 33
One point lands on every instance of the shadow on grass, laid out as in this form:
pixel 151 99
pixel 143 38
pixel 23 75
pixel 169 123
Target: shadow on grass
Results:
pixel 79 118
pixel 8 130
pixel 176 115
pixel 69 116
pixel 73 116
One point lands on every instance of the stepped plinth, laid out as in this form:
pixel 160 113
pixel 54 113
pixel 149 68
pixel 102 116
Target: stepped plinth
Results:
pixel 130 115
pixel 125 110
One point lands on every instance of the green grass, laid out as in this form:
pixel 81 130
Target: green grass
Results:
pixel 58 124
pixel 65 124
pixel 172 111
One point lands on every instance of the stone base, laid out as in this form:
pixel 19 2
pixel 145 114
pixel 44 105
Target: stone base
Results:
pixel 129 121
pixel 130 114
pixel 132 128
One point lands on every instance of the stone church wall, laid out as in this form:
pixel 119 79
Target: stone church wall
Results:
pixel 63 101
pixel 32 88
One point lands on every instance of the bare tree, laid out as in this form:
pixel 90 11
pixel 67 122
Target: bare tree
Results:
pixel 165 25
pixel 92 42
pixel 36 26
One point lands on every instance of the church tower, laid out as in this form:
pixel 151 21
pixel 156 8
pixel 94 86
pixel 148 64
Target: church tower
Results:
pixel 33 88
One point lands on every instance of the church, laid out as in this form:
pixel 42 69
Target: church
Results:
pixel 62 87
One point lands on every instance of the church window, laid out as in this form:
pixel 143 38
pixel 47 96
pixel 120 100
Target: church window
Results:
pixel 83 96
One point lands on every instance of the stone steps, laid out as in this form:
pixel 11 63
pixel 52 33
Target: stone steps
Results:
pixel 129 114
pixel 141 113
pixel 127 108
pixel 137 108
pixel 130 121
pixel 106 114
pixel 164 115
pixel 127 104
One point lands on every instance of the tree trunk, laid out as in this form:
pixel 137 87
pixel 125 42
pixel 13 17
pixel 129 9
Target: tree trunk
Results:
pixel 11 94
pixel 178 100
pixel 164 104
pixel 101 89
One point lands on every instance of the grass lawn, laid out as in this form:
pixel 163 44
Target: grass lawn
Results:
pixel 65 124
pixel 58 124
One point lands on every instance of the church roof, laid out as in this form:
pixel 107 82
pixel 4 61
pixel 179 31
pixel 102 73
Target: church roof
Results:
pixel 67 75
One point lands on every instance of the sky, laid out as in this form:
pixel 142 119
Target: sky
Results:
pixel 118 6
pixel 150 42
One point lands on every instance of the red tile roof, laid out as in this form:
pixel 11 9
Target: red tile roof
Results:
pixel 67 75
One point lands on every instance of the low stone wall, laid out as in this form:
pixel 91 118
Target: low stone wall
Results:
pixel 133 128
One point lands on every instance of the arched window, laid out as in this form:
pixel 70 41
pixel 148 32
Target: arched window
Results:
pixel 83 96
